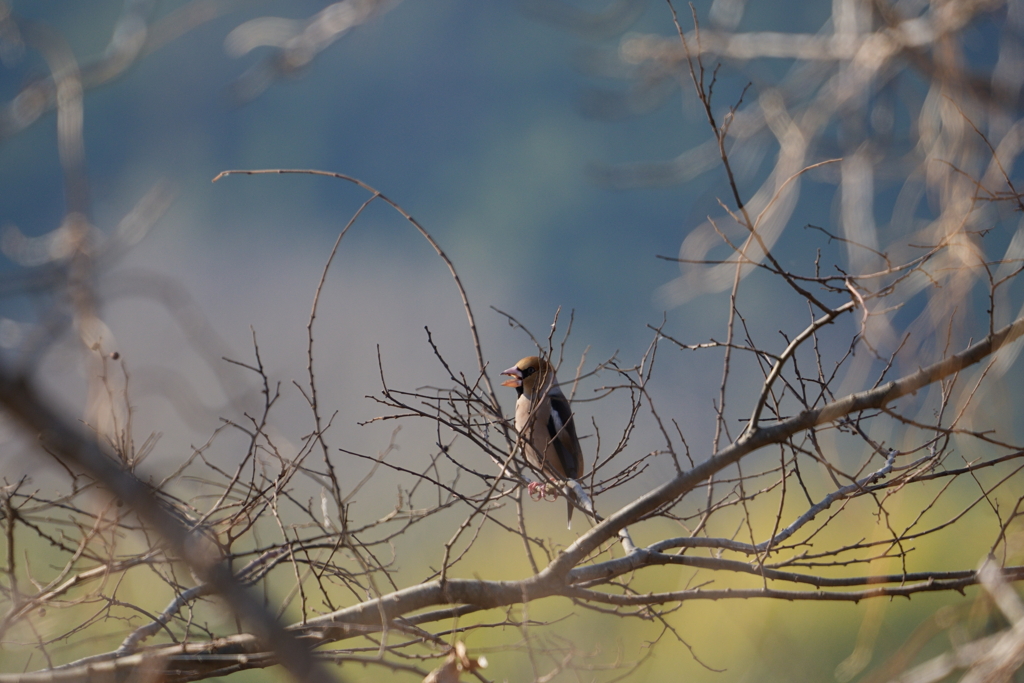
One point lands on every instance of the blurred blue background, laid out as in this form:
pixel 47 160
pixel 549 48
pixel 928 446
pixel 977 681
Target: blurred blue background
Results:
pixel 467 114
pixel 472 116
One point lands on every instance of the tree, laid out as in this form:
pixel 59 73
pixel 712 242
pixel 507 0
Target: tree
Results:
pixel 878 405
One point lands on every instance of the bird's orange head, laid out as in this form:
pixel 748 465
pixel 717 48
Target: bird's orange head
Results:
pixel 525 374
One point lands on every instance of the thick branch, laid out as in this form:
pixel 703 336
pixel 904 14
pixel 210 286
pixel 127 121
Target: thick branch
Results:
pixel 193 661
pixel 750 441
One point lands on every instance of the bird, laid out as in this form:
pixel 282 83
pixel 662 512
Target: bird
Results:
pixel 546 428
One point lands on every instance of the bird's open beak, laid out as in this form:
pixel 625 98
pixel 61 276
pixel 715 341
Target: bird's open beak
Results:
pixel 517 377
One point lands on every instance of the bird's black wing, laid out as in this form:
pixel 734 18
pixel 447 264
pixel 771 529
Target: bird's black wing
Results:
pixel 562 433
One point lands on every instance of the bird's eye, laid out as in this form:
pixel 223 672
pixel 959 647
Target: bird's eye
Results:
pixel 528 371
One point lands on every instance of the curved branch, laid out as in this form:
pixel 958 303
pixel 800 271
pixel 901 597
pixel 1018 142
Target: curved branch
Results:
pixel 788 353
pixel 906 590
pixel 482 366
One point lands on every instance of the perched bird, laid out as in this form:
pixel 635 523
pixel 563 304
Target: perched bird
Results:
pixel 546 428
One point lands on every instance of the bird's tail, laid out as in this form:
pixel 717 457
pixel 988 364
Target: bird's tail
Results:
pixel 575 493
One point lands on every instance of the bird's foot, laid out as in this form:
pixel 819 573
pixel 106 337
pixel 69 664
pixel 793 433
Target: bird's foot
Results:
pixel 545 491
